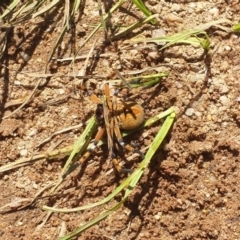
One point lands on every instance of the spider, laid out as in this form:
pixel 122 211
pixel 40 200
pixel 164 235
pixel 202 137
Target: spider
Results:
pixel 112 115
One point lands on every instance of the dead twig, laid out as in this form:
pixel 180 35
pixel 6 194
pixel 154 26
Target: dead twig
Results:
pixel 26 101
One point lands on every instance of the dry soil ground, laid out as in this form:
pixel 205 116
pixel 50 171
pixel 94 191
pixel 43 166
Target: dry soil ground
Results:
pixel 191 188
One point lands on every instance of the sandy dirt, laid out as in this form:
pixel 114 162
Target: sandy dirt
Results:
pixel 191 188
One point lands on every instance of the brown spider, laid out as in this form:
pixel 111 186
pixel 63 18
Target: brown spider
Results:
pixel 113 114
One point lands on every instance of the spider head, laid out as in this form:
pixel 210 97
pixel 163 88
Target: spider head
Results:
pixel 99 114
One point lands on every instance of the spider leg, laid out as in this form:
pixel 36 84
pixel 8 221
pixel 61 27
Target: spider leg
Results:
pixel 108 120
pixel 88 153
pixel 131 148
pixel 92 96
pixel 119 168
pixel 114 126
pixel 112 107
pixel 128 147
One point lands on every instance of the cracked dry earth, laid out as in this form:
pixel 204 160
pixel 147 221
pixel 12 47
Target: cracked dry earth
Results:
pixel 191 187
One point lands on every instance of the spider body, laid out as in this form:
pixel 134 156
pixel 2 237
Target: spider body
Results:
pixel 129 115
pixel 113 114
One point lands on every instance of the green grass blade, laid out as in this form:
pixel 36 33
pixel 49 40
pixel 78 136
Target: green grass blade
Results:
pixel 134 26
pixel 187 37
pixel 143 8
pixel 193 36
pixel 91 222
pixel 141 81
pixel 113 9
pixel 82 143
pixel 79 147
pixel 123 185
pixel 150 80
pixel 48 7
pixel 76 6
pixel 160 136
pixel 59 40
pixel 25 8
pixel 236 28
pixel 10 8
pixel 26 12
pixel 151 151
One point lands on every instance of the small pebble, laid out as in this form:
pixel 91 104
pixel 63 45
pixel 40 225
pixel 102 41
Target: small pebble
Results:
pixel 65 110
pixel 224 67
pixel 39 60
pixel 134 51
pixel 5 177
pixel 192 5
pixel 178 84
pixel 152 2
pixel 189 112
pixel 75 116
pixel 214 11
pixel 157 217
pixel 61 91
pixel 153 55
pixel 180 92
pixel 19 185
pixel 212 179
pixel 23 152
pixel 198 114
pixel 224 124
pixel 176 7
pixel 33 132
pixel 225 101
pixel 158 33
pixel 224 89
pixel 105 63
pixel 171 18
pixel 19 223
pixel 17 83
pixel 35 186
pixel 228 48
pixel 25 56
pixel 179 201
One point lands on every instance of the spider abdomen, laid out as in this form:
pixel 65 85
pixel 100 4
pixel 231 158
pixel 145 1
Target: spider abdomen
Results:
pixel 130 115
